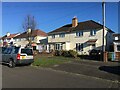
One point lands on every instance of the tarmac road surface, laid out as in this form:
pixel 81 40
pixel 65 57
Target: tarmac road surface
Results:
pixel 33 77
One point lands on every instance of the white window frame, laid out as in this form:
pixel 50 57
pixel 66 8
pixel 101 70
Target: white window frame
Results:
pixel 92 32
pixel 117 48
pixel 79 46
pixel 58 46
pixel 79 33
pixel 53 36
pixel 62 35
pixel 116 38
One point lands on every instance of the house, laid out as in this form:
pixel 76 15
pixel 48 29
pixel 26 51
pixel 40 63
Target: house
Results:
pixel 116 44
pixel 8 39
pixel 80 36
pixel 1 42
pixel 37 37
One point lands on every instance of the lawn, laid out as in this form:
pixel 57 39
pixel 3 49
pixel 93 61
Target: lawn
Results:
pixel 47 61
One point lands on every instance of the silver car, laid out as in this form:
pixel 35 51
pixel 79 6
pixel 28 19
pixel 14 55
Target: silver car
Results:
pixel 17 55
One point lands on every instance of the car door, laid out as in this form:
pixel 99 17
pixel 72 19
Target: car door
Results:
pixel 8 55
pixel 0 54
pixel 4 54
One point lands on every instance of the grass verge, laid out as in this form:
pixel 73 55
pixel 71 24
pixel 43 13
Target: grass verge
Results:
pixel 50 61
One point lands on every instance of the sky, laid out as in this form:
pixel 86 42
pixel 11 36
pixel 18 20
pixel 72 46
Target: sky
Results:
pixel 52 15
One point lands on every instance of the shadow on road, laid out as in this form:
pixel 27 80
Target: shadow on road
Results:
pixel 111 69
pixel 22 65
pixel 94 57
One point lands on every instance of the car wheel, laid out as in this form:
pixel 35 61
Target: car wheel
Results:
pixel 11 64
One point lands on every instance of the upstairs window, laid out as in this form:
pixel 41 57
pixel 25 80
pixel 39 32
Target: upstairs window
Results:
pixel 80 33
pixel 62 35
pixel 53 36
pixel 116 38
pixel 93 32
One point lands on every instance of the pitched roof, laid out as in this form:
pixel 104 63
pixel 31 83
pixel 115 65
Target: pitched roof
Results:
pixel 86 25
pixel 116 34
pixel 9 37
pixel 34 33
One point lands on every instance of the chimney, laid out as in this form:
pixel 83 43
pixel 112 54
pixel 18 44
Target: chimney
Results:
pixel 8 34
pixel 29 30
pixel 74 21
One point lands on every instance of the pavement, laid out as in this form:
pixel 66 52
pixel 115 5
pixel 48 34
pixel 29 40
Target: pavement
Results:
pixel 97 69
pixel 37 77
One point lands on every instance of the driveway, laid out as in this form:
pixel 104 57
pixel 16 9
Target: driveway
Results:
pixel 33 77
pixel 97 69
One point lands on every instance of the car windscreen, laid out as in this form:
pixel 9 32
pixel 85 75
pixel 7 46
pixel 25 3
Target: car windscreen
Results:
pixel 27 51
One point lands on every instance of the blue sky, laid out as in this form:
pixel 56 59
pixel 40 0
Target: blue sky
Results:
pixel 52 15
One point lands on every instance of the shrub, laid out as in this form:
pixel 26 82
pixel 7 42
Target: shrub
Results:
pixel 69 53
pixel 66 54
pixel 56 53
pixel 73 53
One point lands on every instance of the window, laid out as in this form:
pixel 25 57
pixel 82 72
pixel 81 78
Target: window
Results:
pixel 7 51
pixel 58 46
pixel 93 32
pixel 93 46
pixel 116 38
pixel 24 38
pixel 31 38
pixel 8 40
pixel 53 36
pixel 34 47
pixel 118 47
pixel 79 47
pixel 78 34
pixel 27 51
pixel 15 50
pixel 62 35
pixel 18 39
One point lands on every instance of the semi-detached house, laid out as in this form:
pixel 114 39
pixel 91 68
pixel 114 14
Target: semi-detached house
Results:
pixel 7 39
pixel 38 38
pixel 80 36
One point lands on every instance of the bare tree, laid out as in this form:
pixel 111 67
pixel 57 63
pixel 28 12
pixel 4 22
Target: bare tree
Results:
pixel 29 25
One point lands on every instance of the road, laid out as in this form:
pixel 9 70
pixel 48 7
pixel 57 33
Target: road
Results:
pixel 33 77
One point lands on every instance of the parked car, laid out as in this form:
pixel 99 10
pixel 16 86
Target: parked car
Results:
pixel 95 52
pixel 17 55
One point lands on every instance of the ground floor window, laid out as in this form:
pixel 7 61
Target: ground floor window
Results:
pixel 79 46
pixel 93 46
pixel 34 47
pixel 118 47
pixel 49 47
pixel 58 46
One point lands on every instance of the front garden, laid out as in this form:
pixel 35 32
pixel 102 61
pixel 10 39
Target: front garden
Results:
pixel 46 61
